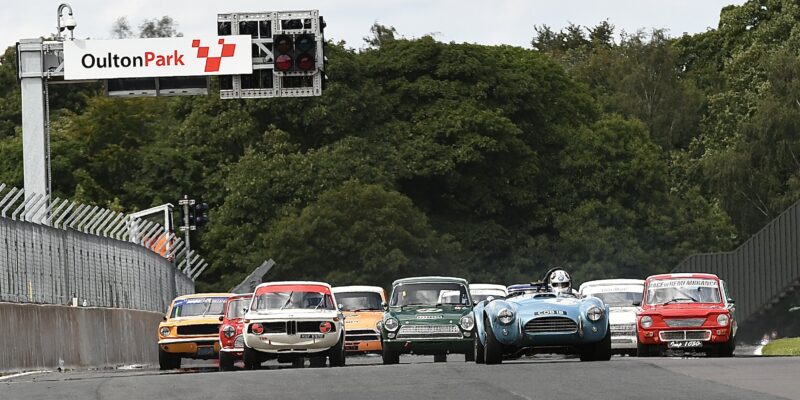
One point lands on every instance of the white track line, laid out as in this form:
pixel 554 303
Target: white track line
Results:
pixel 21 374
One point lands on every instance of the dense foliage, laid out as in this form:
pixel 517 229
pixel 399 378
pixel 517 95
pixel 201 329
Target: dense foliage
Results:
pixel 612 155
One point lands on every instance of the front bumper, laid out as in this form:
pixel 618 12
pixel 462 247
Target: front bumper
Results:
pixel 663 335
pixel 281 343
pixel 199 347
pixel 430 345
pixel 365 346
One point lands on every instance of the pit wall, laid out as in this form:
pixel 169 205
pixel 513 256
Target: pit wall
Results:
pixel 36 337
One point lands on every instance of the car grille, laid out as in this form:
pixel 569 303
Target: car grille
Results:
pixel 684 322
pixel 204 329
pixel 684 335
pixel 238 343
pixel 292 327
pixel 551 325
pixel 623 328
pixel 311 326
pixel 274 327
pixel 428 331
pixel 357 335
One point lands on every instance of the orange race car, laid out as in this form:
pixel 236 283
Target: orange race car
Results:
pixel 190 329
pixel 362 307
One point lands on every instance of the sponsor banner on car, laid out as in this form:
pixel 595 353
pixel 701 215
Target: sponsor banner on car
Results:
pixel 158 57
pixel 614 289
pixel 667 283
pixel 201 300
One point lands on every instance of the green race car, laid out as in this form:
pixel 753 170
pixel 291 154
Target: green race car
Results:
pixel 428 315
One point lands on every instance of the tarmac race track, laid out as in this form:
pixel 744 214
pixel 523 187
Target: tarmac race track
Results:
pixel 419 378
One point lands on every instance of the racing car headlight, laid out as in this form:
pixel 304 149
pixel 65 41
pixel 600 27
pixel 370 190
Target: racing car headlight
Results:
pixel 378 326
pixel 391 324
pixel 228 331
pixel 594 314
pixel 646 321
pixel 164 331
pixel 505 316
pixel 723 319
pixel 467 323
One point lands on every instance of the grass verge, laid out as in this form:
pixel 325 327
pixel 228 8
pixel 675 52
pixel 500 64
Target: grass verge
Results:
pixel 782 347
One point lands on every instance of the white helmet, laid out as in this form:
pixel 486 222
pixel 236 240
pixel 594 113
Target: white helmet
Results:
pixel 559 281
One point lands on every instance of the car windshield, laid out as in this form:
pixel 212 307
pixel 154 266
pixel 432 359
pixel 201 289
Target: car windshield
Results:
pixel 198 307
pixel 429 294
pixel 298 299
pixel 686 290
pixel 360 301
pixel 618 299
pixel 236 308
pixel 485 294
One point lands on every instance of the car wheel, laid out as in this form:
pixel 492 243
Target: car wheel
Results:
pixel 726 349
pixel 600 351
pixel 226 361
pixel 647 350
pixel 439 358
pixel 251 358
pixel 493 352
pixel 390 357
pixel 317 361
pixel 299 362
pixel 336 353
pixel 168 360
pixel 479 356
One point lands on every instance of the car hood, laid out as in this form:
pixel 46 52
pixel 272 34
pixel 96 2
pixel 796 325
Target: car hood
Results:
pixel 183 321
pixel 292 314
pixel 622 315
pixel 683 310
pixel 429 315
pixel 362 319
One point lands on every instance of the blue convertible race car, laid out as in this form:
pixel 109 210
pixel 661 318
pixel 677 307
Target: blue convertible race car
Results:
pixel 535 320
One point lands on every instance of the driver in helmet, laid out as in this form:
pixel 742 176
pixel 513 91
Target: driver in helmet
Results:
pixel 560 282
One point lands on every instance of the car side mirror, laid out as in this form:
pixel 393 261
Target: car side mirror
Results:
pixel 221 318
pixel 730 301
pixel 385 306
pixel 637 303
pixel 164 318
pixel 340 307
pixel 474 302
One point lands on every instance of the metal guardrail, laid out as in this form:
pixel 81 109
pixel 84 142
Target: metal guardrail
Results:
pixel 59 252
pixel 762 270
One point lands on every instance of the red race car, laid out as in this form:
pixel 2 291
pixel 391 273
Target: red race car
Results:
pixel 692 312
pixel 230 331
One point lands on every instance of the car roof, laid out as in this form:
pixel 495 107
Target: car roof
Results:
pixel 430 279
pixel 293 283
pixel 611 282
pixel 201 295
pixel 356 288
pixel 698 275
pixel 240 296
pixel 487 286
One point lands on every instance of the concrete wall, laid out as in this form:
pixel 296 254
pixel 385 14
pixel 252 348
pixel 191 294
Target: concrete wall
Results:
pixel 37 336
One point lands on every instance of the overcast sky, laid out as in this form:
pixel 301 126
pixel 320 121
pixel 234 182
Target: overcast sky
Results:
pixel 474 21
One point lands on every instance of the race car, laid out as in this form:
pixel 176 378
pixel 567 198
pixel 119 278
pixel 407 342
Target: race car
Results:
pixel 290 321
pixel 532 320
pixel 619 295
pixel 231 340
pixel 483 291
pixel 190 329
pixel 422 317
pixel 686 311
pixel 362 307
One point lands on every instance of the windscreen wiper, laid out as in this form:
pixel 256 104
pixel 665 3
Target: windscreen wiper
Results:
pixel 676 299
pixel 289 300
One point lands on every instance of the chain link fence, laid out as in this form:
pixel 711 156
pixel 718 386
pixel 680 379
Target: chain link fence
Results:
pixel 59 252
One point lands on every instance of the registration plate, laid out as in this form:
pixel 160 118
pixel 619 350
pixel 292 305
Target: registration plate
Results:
pixel 312 335
pixel 685 345
pixel 205 351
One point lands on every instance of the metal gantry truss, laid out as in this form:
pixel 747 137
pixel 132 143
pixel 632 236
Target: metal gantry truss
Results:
pixel 94 220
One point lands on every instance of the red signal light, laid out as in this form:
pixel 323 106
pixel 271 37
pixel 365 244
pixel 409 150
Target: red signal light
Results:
pixel 258 329
pixel 283 62
pixel 305 62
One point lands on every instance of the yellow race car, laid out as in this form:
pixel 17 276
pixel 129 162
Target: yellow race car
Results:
pixel 362 307
pixel 190 329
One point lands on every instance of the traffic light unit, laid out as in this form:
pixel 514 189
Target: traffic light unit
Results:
pixel 287 50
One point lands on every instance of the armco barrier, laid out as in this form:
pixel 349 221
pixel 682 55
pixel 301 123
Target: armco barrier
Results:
pixel 38 336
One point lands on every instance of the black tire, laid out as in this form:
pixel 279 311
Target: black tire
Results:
pixel 390 357
pixel 647 350
pixel 726 349
pixel 480 356
pixel 317 361
pixel 226 361
pixel 168 360
pixel 439 358
pixel 299 362
pixel 251 358
pixel 336 354
pixel 600 351
pixel 493 352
